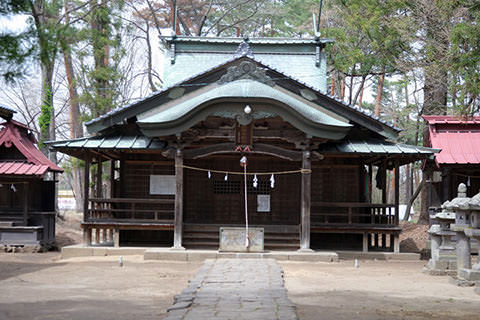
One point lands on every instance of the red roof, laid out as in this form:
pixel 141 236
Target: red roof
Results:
pixel 459 139
pixel 21 168
pixel 16 135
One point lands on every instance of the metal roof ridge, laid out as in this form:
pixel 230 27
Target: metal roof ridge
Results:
pixel 248 39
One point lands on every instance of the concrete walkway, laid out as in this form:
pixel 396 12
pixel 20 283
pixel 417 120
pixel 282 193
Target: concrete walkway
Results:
pixel 235 289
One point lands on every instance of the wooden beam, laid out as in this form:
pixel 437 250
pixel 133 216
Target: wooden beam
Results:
pixel 306 202
pixel 86 186
pixel 178 229
pixel 258 148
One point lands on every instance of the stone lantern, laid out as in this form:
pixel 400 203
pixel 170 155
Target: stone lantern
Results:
pixel 472 232
pixel 460 206
pixel 442 248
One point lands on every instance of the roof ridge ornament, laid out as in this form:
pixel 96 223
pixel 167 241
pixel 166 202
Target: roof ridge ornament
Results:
pixel 243 49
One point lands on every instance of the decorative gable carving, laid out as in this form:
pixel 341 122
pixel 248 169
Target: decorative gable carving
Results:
pixel 247 70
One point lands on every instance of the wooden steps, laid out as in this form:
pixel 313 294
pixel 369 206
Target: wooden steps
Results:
pixel 202 236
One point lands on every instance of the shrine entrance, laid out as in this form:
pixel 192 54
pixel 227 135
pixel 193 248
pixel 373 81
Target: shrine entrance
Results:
pixel 215 198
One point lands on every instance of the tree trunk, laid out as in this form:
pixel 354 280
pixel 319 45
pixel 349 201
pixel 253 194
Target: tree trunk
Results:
pixel 378 102
pixel 76 130
pixel 332 89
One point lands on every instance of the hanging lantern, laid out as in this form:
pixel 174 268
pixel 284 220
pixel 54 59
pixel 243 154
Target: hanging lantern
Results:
pixel 468 182
pixel 226 176
pixel 255 181
pixel 272 182
pixel 209 174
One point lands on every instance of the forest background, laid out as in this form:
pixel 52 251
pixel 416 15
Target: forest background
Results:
pixel 64 62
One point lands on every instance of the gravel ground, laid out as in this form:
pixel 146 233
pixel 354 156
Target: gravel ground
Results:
pixel 41 286
pixel 376 290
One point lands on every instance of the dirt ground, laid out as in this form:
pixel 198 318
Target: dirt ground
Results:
pixel 376 290
pixel 41 286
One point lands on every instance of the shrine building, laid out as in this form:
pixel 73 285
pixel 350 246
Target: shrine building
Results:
pixel 174 156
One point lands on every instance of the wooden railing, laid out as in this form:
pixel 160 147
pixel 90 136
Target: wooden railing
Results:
pixel 353 213
pixel 130 210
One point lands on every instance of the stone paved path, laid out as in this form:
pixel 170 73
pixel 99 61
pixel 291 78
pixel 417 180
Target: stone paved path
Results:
pixel 235 289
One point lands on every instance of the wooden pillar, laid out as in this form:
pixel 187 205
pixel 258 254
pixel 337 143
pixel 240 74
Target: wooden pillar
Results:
pixel 178 228
pixel 99 182
pixel 87 236
pixel 397 190
pixel 25 204
pixel 112 179
pixel 365 242
pixel 306 199
pixel 97 235
pixel 116 237
pixel 86 187
pixel 370 180
pixel 122 177
pixel 396 243
pixel 384 181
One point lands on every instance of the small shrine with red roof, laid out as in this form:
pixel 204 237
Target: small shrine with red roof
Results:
pixel 459 158
pixel 27 187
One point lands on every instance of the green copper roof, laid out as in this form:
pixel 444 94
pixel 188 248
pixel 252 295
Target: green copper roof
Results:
pixel 374 146
pixel 297 58
pixel 115 142
pixel 266 101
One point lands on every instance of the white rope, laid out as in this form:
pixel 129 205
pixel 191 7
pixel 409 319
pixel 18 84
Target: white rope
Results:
pixel 246 206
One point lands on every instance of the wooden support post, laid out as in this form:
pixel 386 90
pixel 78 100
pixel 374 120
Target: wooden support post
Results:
pixel 110 234
pixel 397 191
pixel 122 177
pixel 365 242
pixel 87 236
pixel 97 235
pixel 99 182
pixel 25 204
pixel 86 187
pixel 370 181
pixel 396 243
pixel 112 179
pixel 306 199
pixel 384 182
pixel 384 240
pixel 178 229
pixel 116 238
pixel 104 236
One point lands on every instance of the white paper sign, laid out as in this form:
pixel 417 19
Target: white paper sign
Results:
pixel 162 185
pixel 263 203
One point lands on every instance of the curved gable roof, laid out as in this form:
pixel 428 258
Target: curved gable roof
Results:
pixel 179 117
pixel 356 115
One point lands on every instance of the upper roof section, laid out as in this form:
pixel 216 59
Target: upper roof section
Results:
pixel 459 139
pixel 17 139
pixel 6 113
pixel 243 67
pixel 298 58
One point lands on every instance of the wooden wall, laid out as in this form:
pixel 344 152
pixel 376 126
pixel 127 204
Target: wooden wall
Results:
pixel 215 200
